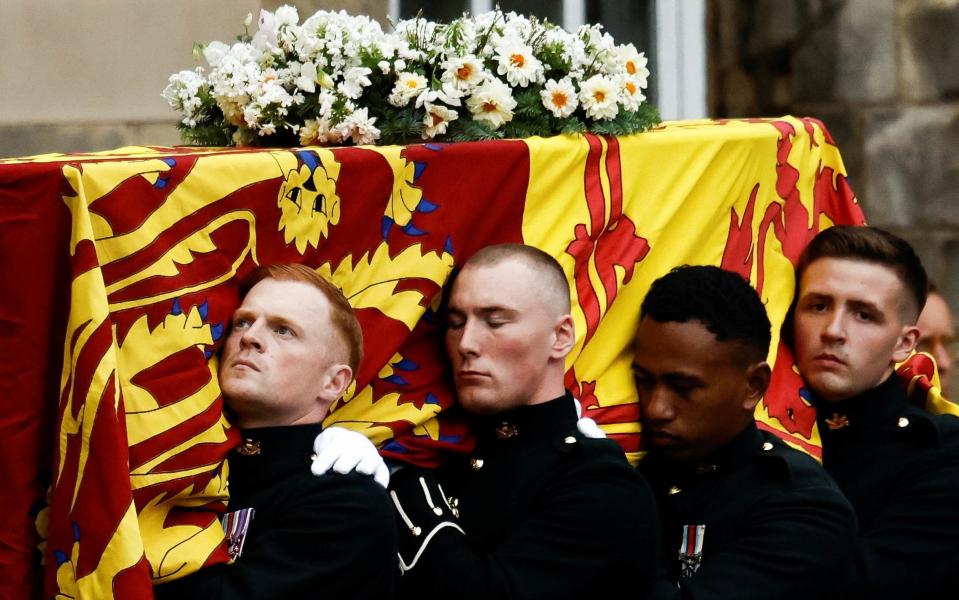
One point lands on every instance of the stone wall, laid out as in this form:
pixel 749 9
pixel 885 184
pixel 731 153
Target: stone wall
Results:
pixel 884 77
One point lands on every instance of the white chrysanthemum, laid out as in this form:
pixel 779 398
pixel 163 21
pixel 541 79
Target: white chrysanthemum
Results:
pixel 463 72
pixel 634 63
pixel 559 97
pixel 407 86
pixel 437 119
pixel 182 93
pixel 285 15
pixel 599 95
pixel 354 80
pixel 214 53
pixel 518 63
pixel 384 66
pixel 631 94
pixel 493 103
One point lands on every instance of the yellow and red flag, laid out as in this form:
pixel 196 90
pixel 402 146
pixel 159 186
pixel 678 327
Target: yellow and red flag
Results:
pixel 140 251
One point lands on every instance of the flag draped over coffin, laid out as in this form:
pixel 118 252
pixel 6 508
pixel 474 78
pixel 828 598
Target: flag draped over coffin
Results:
pixel 160 237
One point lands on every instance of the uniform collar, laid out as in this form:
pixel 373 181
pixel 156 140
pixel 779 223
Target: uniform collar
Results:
pixel 268 454
pixel 537 421
pixel 878 408
pixel 735 453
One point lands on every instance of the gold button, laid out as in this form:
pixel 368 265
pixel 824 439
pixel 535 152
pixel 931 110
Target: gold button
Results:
pixel 416 531
pixel 903 422
pixel 674 490
pixel 476 463
pixel 570 439
pixel 768 446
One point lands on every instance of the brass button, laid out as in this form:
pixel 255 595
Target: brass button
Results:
pixel 249 448
pixel 768 446
pixel 506 431
pixel 569 439
pixel 476 463
pixel 416 531
pixel 903 422
pixel 674 490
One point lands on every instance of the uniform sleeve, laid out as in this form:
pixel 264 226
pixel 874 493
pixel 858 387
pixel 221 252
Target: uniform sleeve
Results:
pixel 793 546
pixel 579 526
pixel 335 539
pixel 909 548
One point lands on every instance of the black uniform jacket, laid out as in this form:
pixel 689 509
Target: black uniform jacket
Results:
pixel 547 513
pixel 759 521
pixel 331 536
pixel 899 466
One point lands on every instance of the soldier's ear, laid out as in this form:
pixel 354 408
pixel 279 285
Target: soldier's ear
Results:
pixel 334 381
pixel 564 337
pixel 908 338
pixel 757 381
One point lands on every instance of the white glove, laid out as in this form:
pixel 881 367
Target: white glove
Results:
pixel 344 451
pixel 587 426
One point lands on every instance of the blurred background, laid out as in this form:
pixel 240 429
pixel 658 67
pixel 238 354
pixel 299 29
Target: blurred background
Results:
pixel 86 75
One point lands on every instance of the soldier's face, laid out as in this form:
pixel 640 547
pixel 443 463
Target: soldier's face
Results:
pixel 695 393
pixel 938 335
pixel 501 338
pixel 849 326
pixel 279 355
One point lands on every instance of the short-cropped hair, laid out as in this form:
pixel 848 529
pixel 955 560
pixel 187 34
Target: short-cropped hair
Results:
pixel 872 245
pixel 342 315
pixel 721 300
pixel 541 262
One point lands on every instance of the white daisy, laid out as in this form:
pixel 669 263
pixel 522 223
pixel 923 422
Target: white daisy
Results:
pixel 631 95
pixel 634 63
pixel 493 103
pixel 559 97
pixel 408 86
pixel 464 72
pixel 517 62
pixel 598 95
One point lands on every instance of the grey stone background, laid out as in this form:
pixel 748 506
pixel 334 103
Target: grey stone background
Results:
pixel 82 75
pixel 883 75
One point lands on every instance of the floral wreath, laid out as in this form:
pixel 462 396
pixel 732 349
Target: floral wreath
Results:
pixel 339 78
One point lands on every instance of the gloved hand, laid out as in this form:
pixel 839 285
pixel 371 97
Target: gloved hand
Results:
pixel 422 510
pixel 587 426
pixel 344 451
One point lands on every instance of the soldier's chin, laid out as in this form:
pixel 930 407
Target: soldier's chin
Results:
pixel 478 403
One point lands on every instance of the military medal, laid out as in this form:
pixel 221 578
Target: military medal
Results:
pixel 691 550
pixel 235 525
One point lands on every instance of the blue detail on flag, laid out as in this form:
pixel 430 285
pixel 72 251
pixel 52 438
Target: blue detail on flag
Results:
pixel 406 365
pixel 425 206
pixel 60 556
pixel 76 531
pixel 216 331
pixel 805 395
pixel 431 398
pixel 385 225
pixel 207 354
pixel 448 245
pixel 395 379
pixel 309 159
pixel 203 309
pixel 395 447
pixel 160 184
pixel 176 310
pixel 450 439
pixel 434 147
pixel 411 229
pixel 418 168
pixel 170 161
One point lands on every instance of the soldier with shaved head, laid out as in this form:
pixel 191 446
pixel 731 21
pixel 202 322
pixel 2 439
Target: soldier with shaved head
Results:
pixel 538 510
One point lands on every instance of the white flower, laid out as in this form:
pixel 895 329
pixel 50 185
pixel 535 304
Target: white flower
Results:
pixel 400 64
pixel 631 95
pixel 309 132
pixel 354 80
pixel 437 119
pixel 286 15
pixel 384 66
pixel 359 127
pixel 598 95
pixel 214 53
pixel 447 93
pixel 634 63
pixel 559 97
pixel 517 62
pixel 464 72
pixel 307 77
pixel 265 35
pixel 493 103
pixel 407 86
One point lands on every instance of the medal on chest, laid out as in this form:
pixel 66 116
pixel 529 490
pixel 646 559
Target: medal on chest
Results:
pixel 235 525
pixel 691 549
